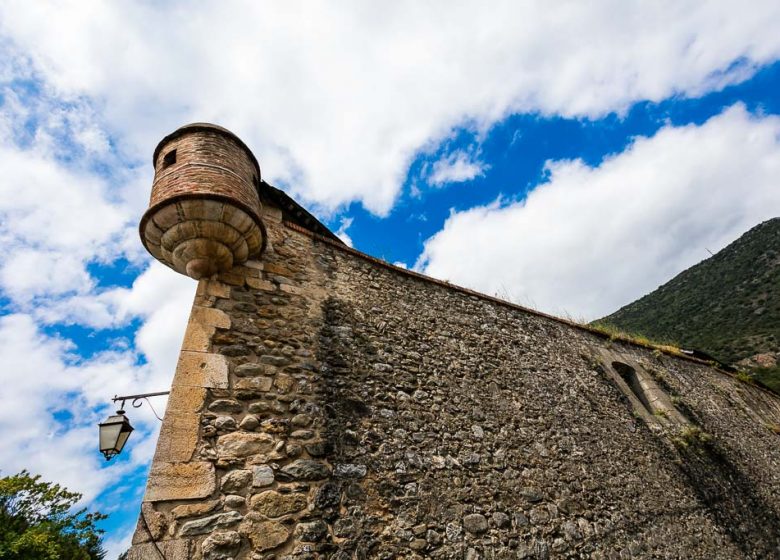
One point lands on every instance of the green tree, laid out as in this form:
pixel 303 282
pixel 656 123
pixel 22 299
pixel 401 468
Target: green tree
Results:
pixel 37 522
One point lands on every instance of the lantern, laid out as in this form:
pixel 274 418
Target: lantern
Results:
pixel 113 434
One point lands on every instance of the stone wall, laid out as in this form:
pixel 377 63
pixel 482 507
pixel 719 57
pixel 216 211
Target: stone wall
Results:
pixel 329 406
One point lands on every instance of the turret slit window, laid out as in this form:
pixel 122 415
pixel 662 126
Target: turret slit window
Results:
pixel 169 159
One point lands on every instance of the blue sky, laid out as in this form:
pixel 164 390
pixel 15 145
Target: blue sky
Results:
pixel 569 159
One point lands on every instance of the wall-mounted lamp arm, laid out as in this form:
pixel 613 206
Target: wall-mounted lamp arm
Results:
pixel 137 400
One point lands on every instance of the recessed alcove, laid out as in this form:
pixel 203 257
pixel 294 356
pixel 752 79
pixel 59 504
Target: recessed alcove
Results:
pixel 629 375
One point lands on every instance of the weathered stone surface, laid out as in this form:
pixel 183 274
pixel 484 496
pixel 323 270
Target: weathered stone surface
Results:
pixel 236 481
pixel 260 284
pixel 259 384
pixel 226 405
pixel 235 501
pixel 234 350
pixel 311 531
pixel 274 360
pixel 210 287
pixel 203 322
pixel 152 523
pixel 284 383
pixel 192 510
pixel 200 369
pixel 180 481
pixel 249 423
pixel 304 469
pixel 349 470
pixel 475 523
pixel 208 524
pixel 225 423
pixel 274 504
pixel 262 475
pixel 263 534
pixel 253 370
pixel 186 399
pixel 178 437
pixel 242 444
pixel 176 549
pixel 500 520
pixel 221 546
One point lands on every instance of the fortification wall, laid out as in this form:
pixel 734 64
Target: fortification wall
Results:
pixel 326 406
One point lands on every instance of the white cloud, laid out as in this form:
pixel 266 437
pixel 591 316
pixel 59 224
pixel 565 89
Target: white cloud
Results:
pixel 591 239
pixel 456 167
pixel 38 381
pixel 336 102
pixel 43 374
pixel 342 231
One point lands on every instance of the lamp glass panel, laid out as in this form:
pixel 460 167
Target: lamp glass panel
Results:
pixel 123 435
pixel 109 435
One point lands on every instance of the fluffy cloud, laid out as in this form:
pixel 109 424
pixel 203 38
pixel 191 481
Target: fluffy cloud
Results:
pixel 336 102
pixel 592 239
pixel 456 167
pixel 45 376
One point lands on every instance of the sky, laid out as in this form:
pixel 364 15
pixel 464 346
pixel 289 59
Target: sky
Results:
pixel 569 157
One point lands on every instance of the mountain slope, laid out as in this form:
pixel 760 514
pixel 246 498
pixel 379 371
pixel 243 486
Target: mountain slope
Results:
pixel 727 305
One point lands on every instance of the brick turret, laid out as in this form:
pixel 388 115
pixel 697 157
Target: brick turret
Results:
pixel 204 213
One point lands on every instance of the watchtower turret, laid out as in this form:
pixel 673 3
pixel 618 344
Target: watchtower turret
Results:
pixel 204 212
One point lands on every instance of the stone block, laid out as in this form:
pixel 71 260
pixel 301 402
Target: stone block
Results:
pixel 260 284
pixel 201 327
pixel 186 399
pixel 262 475
pixel 180 481
pixel 235 481
pixel 208 524
pixel 284 382
pixel 192 510
pixel 176 549
pixel 291 289
pixel 242 444
pixel 312 531
pixel 214 288
pixel 178 437
pixel 200 369
pixel 253 370
pixel 272 214
pixel 263 534
pixel 261 384
pixel 220 546
pixel 275 504
pixel 305 469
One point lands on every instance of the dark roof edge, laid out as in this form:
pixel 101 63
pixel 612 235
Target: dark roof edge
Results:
pixel 406 272
pixel 302 217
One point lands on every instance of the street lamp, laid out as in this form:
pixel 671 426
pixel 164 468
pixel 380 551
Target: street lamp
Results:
pixel 115 431
pixel 113 434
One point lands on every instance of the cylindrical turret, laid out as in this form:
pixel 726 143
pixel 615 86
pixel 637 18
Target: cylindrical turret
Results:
pixel 204 213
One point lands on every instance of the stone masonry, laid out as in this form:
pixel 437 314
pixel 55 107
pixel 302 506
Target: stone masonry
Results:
pixel 329 405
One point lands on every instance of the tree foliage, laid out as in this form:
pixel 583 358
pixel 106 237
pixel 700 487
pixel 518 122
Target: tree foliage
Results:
pixel 37 522
pixel 727 306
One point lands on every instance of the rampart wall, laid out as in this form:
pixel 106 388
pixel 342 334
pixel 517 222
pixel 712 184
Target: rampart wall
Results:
pixel 327 406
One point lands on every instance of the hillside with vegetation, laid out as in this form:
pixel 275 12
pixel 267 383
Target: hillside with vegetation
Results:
pixel 727 306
